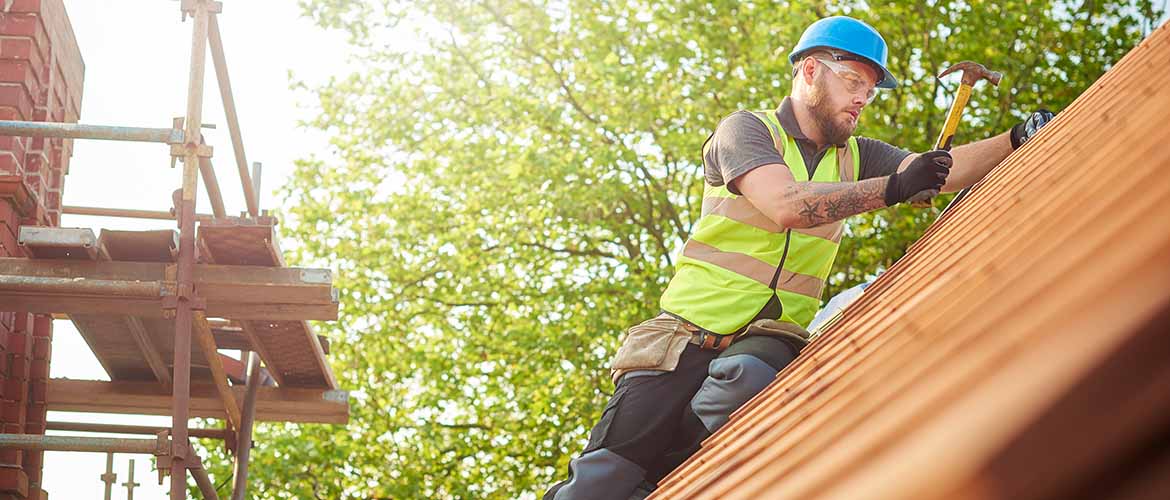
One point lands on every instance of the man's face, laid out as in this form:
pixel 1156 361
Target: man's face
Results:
pixel 834 106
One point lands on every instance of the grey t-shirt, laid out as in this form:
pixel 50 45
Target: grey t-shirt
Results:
pixel 742 142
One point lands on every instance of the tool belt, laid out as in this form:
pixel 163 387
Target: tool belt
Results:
pixel 657 343
pixel 794 335
pixel 710 340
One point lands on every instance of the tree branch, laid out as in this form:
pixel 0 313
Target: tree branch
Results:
pixel 571 251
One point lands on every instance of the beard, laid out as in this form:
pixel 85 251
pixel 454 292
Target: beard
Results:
pixel 820 106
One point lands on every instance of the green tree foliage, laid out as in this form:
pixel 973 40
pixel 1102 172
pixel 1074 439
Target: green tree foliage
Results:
pixel 511 179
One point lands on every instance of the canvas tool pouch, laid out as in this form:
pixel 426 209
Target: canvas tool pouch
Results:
pixel 793 334
pixel 654 344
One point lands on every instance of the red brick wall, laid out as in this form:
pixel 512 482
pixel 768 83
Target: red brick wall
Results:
pixel 41 75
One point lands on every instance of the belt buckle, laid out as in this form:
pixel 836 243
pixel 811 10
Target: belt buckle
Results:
pixel 711 341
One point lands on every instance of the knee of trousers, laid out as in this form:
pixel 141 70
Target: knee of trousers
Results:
pixel 731 382
pixel 599 474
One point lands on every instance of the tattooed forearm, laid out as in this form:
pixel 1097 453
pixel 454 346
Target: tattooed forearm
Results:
pixel 819 203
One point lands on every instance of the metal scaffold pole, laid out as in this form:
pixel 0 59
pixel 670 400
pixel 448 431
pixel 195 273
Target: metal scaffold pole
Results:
pixel 186 301
pixel 137 285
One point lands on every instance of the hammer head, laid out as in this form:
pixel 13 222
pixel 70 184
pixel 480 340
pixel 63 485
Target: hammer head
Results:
pixel 973 72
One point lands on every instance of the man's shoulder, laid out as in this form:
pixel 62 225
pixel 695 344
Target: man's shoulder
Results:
pixel 878 157
pixel 740 122
pixel 869 143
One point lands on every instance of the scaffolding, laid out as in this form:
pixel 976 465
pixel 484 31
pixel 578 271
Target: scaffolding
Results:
pixel 140 297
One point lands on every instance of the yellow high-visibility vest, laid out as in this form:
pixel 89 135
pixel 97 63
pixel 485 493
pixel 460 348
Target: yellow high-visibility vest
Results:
pixel 737 257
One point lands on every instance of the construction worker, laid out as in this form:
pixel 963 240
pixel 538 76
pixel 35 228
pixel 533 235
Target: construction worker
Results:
pixel 749 279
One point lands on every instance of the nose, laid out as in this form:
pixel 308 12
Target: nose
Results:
pixel 858 99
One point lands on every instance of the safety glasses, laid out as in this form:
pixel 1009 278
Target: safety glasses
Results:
pixel 854 81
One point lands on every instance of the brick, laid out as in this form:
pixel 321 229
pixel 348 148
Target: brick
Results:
pixel 55 182
pixel 3 360
pixel 26 25
pixel 63 164
pixel 14 480
pixel 9 165
pixel 34 462
pixel 34 183
pixel 36 144
pixel 10 459
pixel 8 213
pixel 43 327
pixel 14 144
pixel 19 367
pixel 58 96
pixel 39 145
pixel 25 6
pixel 5 317
pixel 19 48
pixel 34 466
pixel 23 323
pixel 16 389
pixel 38 390
pixel 29 26
pixel 14 95
pixel 56 178
pixel 9 113
pixel 39 370
pixel 42 345
pixel 52 198
pixel 37 411
pixel 9 248
pixel 19 341
pixel 36 215
pixel 13 411
pixel 34 428
pixel 20 24
pixel 17 146
pixel 20 72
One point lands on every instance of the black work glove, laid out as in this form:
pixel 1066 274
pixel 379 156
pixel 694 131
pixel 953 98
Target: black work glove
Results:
pixel 926 174
pixel 1028 128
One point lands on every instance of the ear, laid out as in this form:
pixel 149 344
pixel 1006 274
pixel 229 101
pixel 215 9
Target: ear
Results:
pixel 808 70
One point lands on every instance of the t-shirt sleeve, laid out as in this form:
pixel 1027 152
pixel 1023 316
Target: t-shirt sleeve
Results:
pixel 879 158
pixel 740 143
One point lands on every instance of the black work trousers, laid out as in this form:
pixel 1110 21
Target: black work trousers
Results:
pixel 656 420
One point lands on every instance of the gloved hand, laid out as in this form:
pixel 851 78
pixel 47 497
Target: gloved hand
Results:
pixel 928 172
pixel 1028 128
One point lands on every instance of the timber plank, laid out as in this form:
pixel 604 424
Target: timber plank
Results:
pixel 273 404
pixel 290 349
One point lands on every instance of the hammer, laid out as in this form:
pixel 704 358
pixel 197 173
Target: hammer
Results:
pixel 972 73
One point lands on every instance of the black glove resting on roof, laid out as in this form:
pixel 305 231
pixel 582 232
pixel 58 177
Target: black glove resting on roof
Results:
pixel 1028 128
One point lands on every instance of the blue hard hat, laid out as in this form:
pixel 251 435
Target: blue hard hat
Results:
pixel 849 35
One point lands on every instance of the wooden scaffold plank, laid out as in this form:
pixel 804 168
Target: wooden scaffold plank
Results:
pixel 238 292
pixel 273 404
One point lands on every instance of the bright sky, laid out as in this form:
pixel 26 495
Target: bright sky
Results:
pixel 136 56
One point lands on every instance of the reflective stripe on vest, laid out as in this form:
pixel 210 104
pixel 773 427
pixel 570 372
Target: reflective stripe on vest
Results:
pixel 724 273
